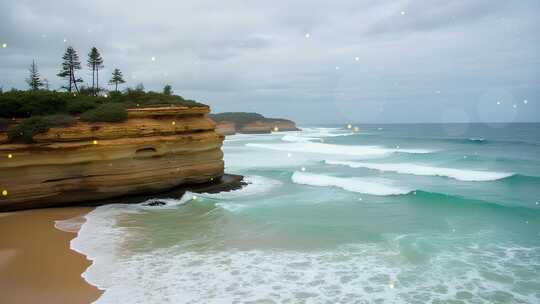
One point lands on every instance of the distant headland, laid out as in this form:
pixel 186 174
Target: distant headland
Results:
pixel 230 123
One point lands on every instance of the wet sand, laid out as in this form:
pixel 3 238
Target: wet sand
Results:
pixel 36 264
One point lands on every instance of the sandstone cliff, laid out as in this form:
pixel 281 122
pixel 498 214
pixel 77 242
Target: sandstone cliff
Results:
pixel 250 123
pixel 154 150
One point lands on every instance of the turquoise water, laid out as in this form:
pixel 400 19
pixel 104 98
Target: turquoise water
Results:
pixel 388 214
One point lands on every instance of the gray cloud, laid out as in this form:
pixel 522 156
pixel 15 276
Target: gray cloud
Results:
pixel 413 66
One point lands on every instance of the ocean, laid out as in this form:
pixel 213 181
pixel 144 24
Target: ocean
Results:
pixel 412 213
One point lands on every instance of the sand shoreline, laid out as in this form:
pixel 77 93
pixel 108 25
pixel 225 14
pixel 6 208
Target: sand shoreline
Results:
pixel 36 262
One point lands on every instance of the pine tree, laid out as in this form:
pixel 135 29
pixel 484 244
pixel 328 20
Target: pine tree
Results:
pixel 116 79
pixel 95 62
pixel 70 64
pixel 167 90
pixel 34 81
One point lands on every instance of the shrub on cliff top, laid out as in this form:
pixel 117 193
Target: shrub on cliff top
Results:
pixel 25 104
pixel 109 112
pixel 39 103
pixel 81 105
pixel 25 131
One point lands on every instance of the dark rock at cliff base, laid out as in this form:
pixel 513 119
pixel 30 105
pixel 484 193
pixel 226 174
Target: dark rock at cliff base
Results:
pixel 227 182
pixel 155 203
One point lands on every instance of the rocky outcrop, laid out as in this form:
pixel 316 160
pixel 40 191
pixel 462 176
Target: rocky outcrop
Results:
pixel 156 149
pixel 251 123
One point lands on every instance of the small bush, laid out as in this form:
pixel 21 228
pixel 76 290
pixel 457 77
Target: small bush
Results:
pixel 26 130
pixel 109 112
pixel 81 105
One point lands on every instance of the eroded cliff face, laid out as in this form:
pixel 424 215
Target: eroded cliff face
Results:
pixel 154 150
pixel 256 127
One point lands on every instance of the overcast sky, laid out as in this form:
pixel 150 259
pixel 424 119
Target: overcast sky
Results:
pixel 312 61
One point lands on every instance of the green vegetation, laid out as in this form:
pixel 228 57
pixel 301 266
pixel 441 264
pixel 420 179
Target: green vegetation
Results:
pixel 95 63
pixel 167 90
pixel 81 105
pixel 116 79
pixel 34 82
pixel 25 131
pixel 22 104
pixel 69 65
pixel 109 112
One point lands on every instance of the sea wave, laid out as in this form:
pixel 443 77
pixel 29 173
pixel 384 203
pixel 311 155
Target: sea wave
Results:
pixel 406 168
pixel 353 184
pixel 320 148
pixel 388 271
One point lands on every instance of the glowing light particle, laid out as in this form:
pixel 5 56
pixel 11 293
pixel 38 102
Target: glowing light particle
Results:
pixel 4 45
pixel 173 123
pixel 289 155
pixel 10 155
pixel 498 102
pixel 65 40
pixel 95 142
pixel 403 13
pixel 337 68
pixel 4 193
pixel 303 169
pixel 308 35
pixel 349 126
pixel 357 58
pixel 525 101
pixel 391 286
pixel 105 95
pixel 194 197
pixel 153 58
pixel 514 106
pixel 276 129
pixel 397 147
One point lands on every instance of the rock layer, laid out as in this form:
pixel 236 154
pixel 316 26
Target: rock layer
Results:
pixel 154 150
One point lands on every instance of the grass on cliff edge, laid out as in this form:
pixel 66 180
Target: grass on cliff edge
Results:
pixel 23 104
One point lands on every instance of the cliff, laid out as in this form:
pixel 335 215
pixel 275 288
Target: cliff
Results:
pixel 156 149
pixel 250 123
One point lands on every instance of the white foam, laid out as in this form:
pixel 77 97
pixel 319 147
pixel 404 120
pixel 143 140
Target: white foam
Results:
pixel 70 225
pixel 296 138
pixel 405 168
pixel 373 272
pixel 320 148
pixel 353 184
pixel 255 185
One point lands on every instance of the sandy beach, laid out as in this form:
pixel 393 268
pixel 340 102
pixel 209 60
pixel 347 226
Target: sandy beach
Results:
pixel 36 263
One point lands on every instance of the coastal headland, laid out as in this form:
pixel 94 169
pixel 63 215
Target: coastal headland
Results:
pixel 156 149
pixel 230 123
